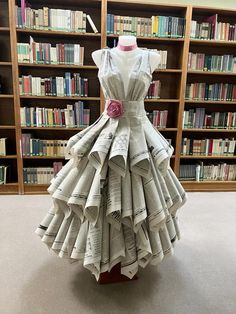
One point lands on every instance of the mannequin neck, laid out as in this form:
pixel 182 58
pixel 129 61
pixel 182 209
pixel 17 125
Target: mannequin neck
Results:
pixel 127 43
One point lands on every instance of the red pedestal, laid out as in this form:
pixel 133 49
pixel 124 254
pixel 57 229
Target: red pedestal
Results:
pixel 114 276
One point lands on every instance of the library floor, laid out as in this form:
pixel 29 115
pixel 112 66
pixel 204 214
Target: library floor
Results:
pixel 199 279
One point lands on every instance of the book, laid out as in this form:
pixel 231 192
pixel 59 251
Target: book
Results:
pixel 94 28
pixel 72 116
pixel 208 172
pixel 3 146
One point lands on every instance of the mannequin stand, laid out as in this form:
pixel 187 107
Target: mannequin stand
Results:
pixel 114 276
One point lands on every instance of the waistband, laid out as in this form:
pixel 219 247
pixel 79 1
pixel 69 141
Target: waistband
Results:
pixel 125 108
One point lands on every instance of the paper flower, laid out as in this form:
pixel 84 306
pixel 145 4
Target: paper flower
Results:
pixel 114 108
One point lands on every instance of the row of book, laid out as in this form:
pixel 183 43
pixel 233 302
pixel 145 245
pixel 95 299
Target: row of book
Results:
pixel 210 28
pixel 72 116
pixel 41 147
pixel 52 19
pixel 217 63
pixel 208 172
pixel 208 147
pixel 163 59
pixel 158 118
pixel 70 85
pixel 198 118
pixel 154 89
pixel 156 26
pixel 216 91
pixel 3 146
pixel 45 53
pixel 3 174
pixel 41 175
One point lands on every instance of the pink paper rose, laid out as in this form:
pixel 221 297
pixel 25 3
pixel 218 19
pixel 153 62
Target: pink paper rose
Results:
pixel 114 108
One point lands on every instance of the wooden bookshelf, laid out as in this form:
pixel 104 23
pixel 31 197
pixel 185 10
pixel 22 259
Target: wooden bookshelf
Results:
pixel 174 80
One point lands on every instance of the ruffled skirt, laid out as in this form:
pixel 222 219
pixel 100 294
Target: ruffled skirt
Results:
pixel 116 199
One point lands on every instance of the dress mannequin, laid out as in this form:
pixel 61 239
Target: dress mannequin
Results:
pixel 126 59
pixel 126 54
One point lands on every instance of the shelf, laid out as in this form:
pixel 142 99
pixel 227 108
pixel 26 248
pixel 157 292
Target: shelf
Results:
pixel 8 157
pixel 61 97
pixel 50 128
pixel 56 33
pixel 9 188
pixel 43 157
pixel 36 188
pixel 160 100
pixel 4 29
pixel 7 126
pixel 167 129
pixel 168 71
pixel 207 157
pixel 209 186
pixel 6 96
pixel 209 130
pixel 210 102
pixel 211 42
pixel 151 38
pixel 58 66
pixel 212 73
pixel 2 63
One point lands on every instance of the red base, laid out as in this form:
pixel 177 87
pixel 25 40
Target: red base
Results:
pixel 114 276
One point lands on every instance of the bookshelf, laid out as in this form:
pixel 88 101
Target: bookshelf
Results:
pixel 173 79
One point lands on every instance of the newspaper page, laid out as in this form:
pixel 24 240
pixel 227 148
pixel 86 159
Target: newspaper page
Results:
pixel 119 148
pixel 126 199
pixel 143 246
pixel 77 137
pixel 52 230
pixel 93 251
pixel 70 238
pixel 80 192
pixel 93 202
pixel 138 150
pixel 129 264
pixel 156 214
pixel 113 210
pixel 139 205
pixel 102 144
pixel 80 243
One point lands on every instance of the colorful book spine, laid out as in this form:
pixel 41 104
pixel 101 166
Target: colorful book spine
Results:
pixel 72 116
pixel 154 90
pixel 41 175
pixel 212 63
pixel 216 91
pixel 156 26
pixel 53 19
pixel 198 118
pixel 208 172
pixel 211 28
pixel 45 53
pixel 158 118
pixel 3 174
pixel 208 147
pixel 70 85
pixel 3 146
pixel 38 147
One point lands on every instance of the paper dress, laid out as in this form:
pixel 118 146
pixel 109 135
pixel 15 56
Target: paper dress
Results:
pixel 116 198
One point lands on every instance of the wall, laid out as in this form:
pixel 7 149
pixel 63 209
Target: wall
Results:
pixel 227 4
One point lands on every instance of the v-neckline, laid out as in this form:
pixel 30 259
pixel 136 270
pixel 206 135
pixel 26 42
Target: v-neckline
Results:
pixel 139 61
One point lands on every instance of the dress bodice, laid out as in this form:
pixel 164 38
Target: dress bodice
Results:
pixel 111 80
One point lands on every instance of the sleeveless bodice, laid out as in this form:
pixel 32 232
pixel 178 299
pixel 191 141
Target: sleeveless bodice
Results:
pixel 111 81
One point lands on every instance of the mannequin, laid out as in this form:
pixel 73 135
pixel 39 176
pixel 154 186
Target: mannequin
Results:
pixel 127 53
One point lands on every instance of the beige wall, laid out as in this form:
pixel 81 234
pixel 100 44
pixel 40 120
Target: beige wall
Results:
pixel 227 4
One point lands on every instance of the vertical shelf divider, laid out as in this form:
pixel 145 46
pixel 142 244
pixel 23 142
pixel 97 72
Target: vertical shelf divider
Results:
pixel 184 67
pixel 15 74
